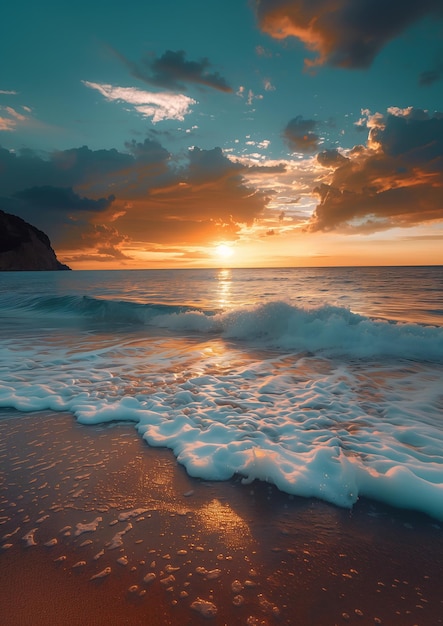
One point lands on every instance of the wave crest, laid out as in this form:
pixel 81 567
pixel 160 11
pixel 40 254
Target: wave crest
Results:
pixel 332 330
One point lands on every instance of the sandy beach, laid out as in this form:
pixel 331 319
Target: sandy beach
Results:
pixel 98 528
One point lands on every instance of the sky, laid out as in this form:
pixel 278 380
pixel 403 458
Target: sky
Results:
pixel 243 133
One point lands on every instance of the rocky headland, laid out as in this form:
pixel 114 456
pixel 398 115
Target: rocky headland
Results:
pixel 24 247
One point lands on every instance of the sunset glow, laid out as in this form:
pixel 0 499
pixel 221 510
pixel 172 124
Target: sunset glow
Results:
pixel 307 141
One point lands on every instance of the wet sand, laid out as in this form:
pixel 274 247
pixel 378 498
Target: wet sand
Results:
pixel 98 528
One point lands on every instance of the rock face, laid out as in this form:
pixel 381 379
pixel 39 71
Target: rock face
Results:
pixel 24 247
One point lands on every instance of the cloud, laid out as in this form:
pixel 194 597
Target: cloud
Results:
pixel 158 106
pixel 66 168
pixel 343 33
pixel 209 194
pixel 10 118
pixel 6 92
pixel 103 239
pixel 7 124
pixel 204 200
pixel 288 184
pixel 61 199
pixel 331 158
pixel 148 151
pixel 114 202
pixel 396 180
pixel 15 114
pixel 172 71
pixel 251 96
pixel 107 241
pixel 300 136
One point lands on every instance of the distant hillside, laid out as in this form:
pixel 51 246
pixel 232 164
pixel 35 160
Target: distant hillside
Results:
pixel 24 247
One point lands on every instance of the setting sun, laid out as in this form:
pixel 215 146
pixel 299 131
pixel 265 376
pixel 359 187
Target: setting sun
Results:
pixel 223 251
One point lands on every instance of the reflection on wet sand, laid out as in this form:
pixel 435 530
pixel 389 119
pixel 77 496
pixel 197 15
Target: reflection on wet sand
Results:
pixel 98 528
pixel 219 517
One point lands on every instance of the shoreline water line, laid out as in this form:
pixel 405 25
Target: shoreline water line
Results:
pixel 113 531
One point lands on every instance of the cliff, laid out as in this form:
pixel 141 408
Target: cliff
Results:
pixel 24 247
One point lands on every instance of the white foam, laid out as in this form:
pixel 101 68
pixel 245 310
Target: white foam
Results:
pixel 117 540
pixel 98 555
pixel 125 515
pixel 11 534
pixel 150 576
pixel 104 572
pixel 87 528
pixel 29 538
pixel 204 607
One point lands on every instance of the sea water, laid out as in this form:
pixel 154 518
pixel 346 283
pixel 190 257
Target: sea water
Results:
pixel 326 382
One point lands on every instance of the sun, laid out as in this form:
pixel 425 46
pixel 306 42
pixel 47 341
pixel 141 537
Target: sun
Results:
pixel 224 251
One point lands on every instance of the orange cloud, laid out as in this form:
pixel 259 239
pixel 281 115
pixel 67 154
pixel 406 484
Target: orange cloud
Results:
pixel 343 33
pixel 11 118
pixel 396 180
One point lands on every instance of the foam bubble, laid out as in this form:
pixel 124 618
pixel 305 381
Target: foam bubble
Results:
pixel 149 578
pixel 87 528
pixel 29 538
pixel 204 607
pixel 104 572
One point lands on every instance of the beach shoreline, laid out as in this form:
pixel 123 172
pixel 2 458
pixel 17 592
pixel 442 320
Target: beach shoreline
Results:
pixel 99 528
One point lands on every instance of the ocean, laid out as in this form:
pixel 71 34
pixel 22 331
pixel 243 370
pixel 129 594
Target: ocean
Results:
pixel 327 382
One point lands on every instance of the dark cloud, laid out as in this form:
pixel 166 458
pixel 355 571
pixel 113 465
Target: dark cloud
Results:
pixel 411 134
pixel 66 168
pixel 173 71
pixel 397 180
pixel 61 199
pixel 300 135
pixel 60 192
pixel 331 158
pixel 347 33
pixel 150 151
pixel 207 164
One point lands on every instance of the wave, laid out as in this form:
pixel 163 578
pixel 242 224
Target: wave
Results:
pixel 90 308
pixel 331 330
pixel 335 429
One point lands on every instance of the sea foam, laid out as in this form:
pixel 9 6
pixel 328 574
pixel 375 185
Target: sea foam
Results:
pixel 321 402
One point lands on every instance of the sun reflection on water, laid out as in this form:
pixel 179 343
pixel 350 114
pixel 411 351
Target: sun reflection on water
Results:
pixel 224 277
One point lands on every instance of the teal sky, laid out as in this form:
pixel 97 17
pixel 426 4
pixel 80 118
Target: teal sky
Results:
pixel 261 89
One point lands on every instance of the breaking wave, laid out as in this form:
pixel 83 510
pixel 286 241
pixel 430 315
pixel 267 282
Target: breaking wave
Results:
pixel 330 330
